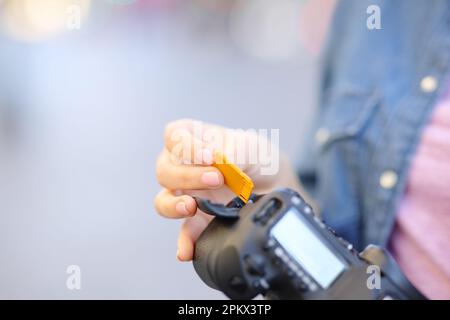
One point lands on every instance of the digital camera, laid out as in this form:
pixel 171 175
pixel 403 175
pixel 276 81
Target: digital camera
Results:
pixel 277 247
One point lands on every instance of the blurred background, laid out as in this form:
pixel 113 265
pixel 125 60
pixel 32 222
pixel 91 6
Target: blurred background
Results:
pixel 86 88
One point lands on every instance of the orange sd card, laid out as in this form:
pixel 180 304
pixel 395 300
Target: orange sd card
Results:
pixel 235 178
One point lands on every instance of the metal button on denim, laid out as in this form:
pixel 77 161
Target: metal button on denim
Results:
pixel 322 136
pixel 388 179
pixel 428 84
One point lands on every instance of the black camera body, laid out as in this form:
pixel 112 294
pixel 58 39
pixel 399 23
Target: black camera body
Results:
pixel 276 246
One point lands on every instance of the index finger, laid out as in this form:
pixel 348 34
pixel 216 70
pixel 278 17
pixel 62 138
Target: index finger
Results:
pixel 191 141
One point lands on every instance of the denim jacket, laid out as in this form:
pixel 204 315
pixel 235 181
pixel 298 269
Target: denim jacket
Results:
pixel 378 90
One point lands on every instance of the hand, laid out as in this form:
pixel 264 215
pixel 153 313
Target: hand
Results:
pixel 184 169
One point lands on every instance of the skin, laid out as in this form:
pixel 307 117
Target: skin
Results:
pixel 181 181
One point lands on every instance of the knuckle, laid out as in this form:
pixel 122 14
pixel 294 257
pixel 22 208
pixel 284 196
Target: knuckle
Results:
pixel 168 133
pixel 173 126
pixel 169 127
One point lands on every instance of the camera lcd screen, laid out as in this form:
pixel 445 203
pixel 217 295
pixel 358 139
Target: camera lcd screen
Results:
pixel 303 245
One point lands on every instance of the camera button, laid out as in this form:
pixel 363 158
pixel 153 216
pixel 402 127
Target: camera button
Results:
pixel 299 285
pixel 237 284
pixel 296 200
pixel 279 252
pixel 270 244
pixel 319 222
pixel 255 264
pixel 313 287
pixel 261 285
pixel 290 273
pixel 307 209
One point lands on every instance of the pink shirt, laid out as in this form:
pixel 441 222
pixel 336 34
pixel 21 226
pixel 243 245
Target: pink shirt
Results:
pixel 421 238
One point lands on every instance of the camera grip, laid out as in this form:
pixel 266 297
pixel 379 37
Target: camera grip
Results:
pixel 207 248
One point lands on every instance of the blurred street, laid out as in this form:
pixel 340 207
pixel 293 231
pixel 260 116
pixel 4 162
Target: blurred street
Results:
pixel 82 114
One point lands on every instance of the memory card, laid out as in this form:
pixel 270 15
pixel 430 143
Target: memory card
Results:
pixel 235 178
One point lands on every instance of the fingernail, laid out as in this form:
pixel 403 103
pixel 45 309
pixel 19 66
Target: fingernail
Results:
pixel 178 255
pixel 211 179
pixel 181 208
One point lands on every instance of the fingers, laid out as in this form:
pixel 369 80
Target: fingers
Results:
pixel 194 142
pixel 186 177
pixel 185 164
pixel 190 231
pixel 188 141
pixel 171 206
